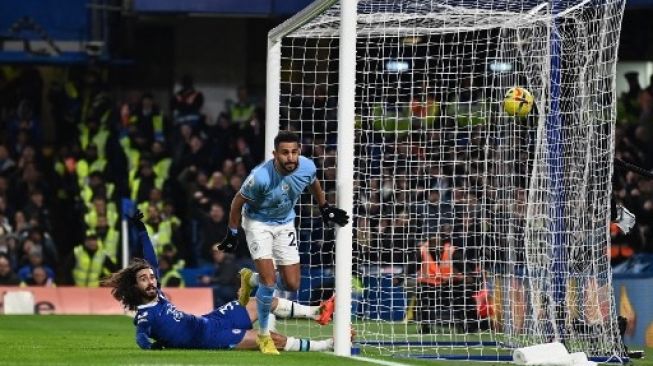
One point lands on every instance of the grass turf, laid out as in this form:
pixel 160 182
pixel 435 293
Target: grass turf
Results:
pixel 109 340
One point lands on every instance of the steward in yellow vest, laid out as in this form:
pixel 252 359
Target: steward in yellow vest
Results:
pixel 160 231
pixel 146 122
pixel 142 183
pixel 243 110
pixel 91 262
pixel 109 237
pixel 101 209
pixel 170 274
pixel 91 163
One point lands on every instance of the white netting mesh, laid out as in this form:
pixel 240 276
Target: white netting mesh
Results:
pixel 440 165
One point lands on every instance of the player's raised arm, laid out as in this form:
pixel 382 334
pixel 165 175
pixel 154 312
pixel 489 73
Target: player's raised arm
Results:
pixel 144 242
pixel 329 213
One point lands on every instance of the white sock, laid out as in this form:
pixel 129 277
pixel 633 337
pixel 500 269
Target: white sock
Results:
pixel 253 281
pixel 307 345
pixel 272 323
pixel 288 309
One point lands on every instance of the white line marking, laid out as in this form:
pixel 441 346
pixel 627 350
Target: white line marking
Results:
pixel 378 362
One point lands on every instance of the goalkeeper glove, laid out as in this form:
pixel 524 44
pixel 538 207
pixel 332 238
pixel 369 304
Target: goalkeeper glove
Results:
pixel 136 220
pixel 229 243
pixel 334 214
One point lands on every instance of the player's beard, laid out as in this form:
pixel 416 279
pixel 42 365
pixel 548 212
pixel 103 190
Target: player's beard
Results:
pixel 287 167
pixel 149 294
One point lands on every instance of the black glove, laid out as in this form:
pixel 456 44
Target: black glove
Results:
pixel 334 214
pixel 229 243
pixel 136 220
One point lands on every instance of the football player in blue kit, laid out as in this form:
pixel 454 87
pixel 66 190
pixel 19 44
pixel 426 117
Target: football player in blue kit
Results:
pixel 228 327
pixel 265 203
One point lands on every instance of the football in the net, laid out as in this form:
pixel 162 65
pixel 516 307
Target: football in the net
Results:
pixel 518 102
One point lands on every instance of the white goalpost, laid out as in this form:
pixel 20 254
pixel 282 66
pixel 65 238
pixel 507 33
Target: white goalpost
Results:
pixel 474 231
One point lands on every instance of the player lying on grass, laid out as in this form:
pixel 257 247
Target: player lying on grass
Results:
pixel 230 326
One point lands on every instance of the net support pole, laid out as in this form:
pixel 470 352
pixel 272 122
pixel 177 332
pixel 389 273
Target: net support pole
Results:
pixel 124 231
pixel 345 174
pixel 554 141
pixel 272 94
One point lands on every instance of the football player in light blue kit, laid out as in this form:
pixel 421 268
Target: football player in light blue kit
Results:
pixel 230 326
pixel 266 203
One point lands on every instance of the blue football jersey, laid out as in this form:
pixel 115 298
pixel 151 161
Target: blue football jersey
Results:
pixel 160 320
pixel 271 196
pixel 223 328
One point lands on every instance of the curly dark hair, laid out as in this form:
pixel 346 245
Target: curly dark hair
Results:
pixel 123 284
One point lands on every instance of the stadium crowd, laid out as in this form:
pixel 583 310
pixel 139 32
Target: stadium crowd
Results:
pixel 60 197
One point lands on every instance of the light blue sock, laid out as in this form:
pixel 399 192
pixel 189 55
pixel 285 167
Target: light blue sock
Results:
pixel 264 303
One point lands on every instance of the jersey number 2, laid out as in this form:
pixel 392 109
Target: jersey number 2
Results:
pixel 293 242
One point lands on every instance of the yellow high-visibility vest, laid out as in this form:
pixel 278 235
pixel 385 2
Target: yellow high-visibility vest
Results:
pixel 88 270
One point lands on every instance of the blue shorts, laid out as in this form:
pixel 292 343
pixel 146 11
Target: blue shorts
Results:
pixel 226 326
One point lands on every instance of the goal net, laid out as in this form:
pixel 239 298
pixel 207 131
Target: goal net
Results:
pixel 475 231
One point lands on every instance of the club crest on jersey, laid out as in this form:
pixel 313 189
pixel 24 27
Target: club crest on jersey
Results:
pixel 285 187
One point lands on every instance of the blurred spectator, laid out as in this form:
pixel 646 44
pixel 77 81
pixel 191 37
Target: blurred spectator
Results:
pixel 89 263
pixel 7 165
pixel 38 277
pixel 214 229
pixel 224 279
pixel 96 187
pixel 20 222
pixel 10 247
pixel 26 124
pixel 5 225
pixel 36 209
pixel 196 155
pixel 216 189
pixel 187 103
pixel 35 259
pixel 628 105
pixel 160 230
pixel 146 123
pixel 161 161
pixel 170 275
pixel 221 137
pixel 244 155
pixel 144 182
pixel 92 162
pixel 29 179
pixel 100 209
pixel 7 275
pixel 109 237
pixel 242 111
pixel 44 240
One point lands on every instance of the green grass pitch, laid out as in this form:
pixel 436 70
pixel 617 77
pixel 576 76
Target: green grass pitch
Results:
pixel 109 340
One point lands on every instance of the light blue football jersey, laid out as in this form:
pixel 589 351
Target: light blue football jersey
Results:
pixel 271 196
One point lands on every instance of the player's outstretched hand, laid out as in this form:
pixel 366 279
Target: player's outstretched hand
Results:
pixel 334 214
pixel 229 243
pixel 137 220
